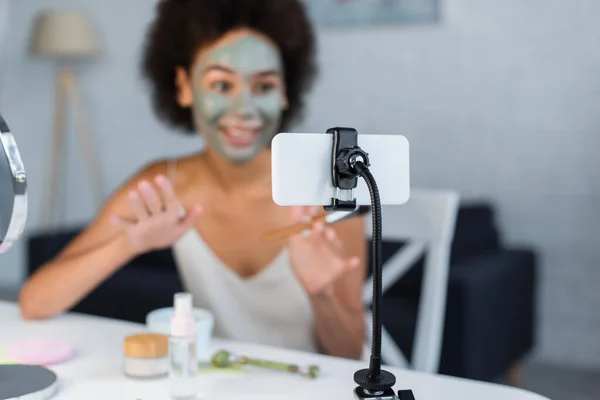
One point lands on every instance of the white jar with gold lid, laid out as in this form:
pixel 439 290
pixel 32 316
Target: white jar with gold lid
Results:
pixel 146 356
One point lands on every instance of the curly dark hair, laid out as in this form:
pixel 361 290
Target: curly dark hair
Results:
pixel 182 27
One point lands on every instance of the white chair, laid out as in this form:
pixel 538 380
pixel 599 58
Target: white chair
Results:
pixel 426 224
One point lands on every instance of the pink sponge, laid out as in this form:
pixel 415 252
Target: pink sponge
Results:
pixel 38 351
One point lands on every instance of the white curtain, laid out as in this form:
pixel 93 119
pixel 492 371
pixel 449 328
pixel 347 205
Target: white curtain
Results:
pixel 4 23
pixel 3 29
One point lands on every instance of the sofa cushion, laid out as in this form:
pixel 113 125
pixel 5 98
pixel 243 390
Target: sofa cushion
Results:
pixel 475 232
pixel 44 246
pixel 490 300
pixel 131 293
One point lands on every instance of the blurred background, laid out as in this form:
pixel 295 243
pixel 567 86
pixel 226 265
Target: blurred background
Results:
pixel 498 98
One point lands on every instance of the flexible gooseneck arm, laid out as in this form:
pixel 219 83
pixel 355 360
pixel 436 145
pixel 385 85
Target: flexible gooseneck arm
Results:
pixel 363 171
pixel 349 162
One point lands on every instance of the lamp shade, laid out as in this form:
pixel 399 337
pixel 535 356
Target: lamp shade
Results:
pixel 64 34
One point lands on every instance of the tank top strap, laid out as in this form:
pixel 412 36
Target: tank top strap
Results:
pixel 172 170
pixel 172 176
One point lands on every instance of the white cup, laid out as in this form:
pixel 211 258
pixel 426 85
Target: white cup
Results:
pixel 159 321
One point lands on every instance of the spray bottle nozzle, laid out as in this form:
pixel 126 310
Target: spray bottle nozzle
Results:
pixel 183 304
pixel 183 321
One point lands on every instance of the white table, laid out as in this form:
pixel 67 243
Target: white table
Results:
pixel 96 371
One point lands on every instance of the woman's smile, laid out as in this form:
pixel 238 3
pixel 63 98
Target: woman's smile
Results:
pixel 240 134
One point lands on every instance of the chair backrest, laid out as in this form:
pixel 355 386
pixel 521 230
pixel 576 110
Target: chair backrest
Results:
pixel 427 223
pixel 428 215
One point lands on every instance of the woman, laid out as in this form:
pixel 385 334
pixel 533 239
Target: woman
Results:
pixel 235 72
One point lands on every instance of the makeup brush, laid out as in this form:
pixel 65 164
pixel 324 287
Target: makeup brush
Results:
pixel 224 359
pixel 328 219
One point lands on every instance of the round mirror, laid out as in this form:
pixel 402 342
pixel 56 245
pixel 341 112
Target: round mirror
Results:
pixel 13 190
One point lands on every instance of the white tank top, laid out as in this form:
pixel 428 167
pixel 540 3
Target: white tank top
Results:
pixel 269 308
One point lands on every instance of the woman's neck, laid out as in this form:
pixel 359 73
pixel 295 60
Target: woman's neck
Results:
pixel 253 176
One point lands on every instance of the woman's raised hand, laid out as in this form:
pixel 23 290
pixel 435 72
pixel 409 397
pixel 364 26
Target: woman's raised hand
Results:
pixel 159 220
pixel 317 259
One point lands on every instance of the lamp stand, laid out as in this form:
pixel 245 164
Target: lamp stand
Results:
pixel 69 95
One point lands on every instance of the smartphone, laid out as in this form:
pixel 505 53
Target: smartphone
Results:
pixel 302 164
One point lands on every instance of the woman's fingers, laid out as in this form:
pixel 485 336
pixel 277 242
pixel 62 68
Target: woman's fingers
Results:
pixel 168 194
pixel 314 211
pixel 304 214
pixel 150 197
pixel 190 217
pixel 147 202
pixel 333 239
pixel 335 245
pixel 344 266
pixel 296 214
pixel 137 206
pixel 318 232
pixel 353 263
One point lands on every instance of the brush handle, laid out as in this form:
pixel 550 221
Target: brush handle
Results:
pixel 328 218
pixel 292 230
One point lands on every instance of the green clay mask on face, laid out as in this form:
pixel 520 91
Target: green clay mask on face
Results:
pixel 238 96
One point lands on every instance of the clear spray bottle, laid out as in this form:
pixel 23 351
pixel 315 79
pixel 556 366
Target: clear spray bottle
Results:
pixel 182 350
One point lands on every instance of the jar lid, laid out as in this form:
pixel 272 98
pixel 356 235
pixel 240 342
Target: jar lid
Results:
pixel 146 345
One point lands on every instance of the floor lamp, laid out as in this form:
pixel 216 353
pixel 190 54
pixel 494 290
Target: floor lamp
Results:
pixel 66 37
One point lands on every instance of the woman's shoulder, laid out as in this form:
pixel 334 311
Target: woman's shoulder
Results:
pixel 186 173
pixel 149 171
pixel 177 169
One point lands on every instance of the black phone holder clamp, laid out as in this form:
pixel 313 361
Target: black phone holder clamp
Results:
pixel 348 163
pixel 344 178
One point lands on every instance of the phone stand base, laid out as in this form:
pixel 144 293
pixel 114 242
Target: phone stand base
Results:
pixel 387 394
pixel 406 395
pixel 363 394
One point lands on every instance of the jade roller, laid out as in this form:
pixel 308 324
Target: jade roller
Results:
pixel 224 359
